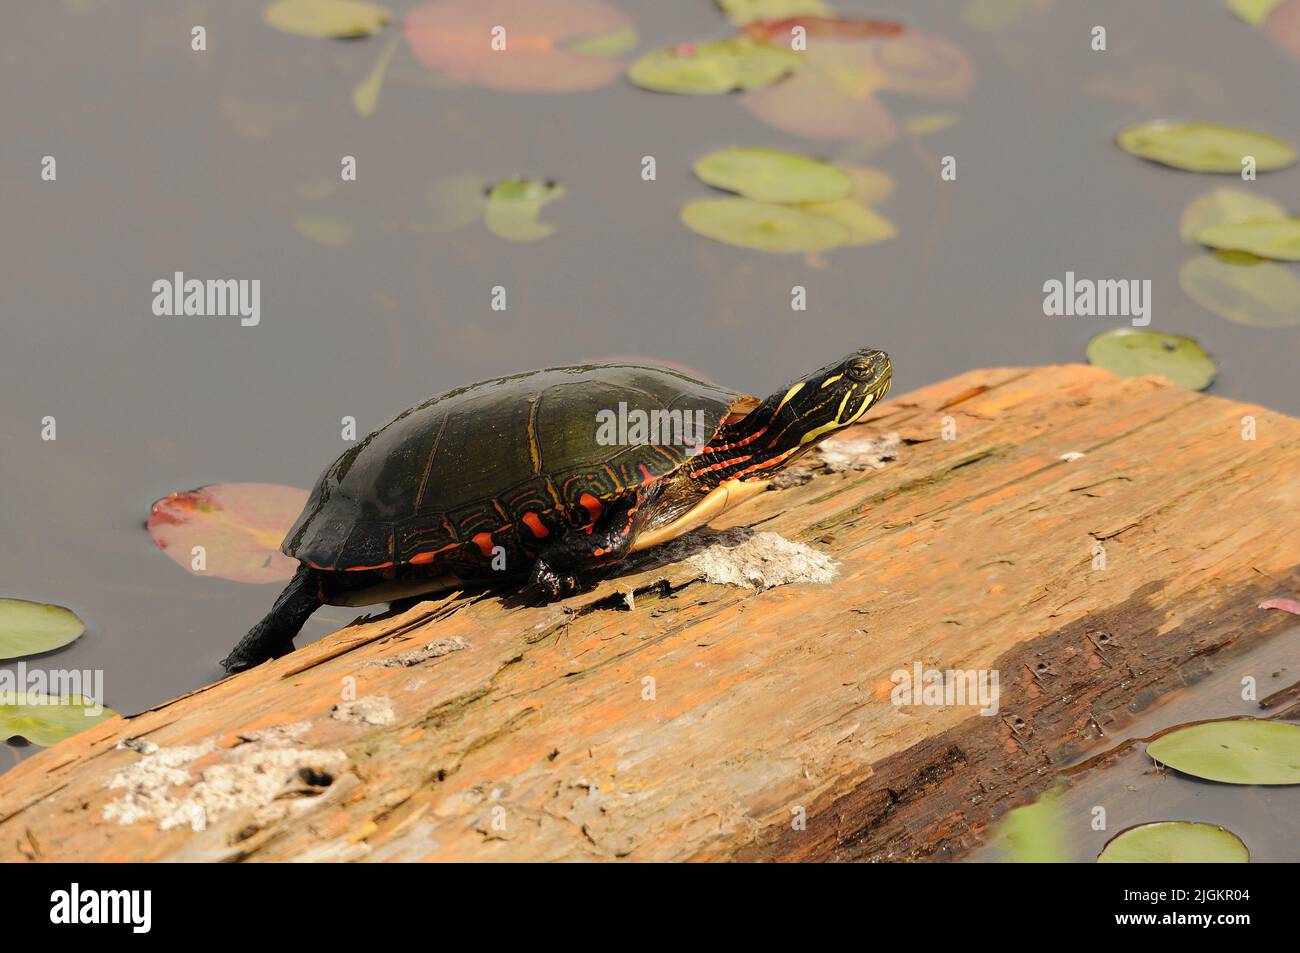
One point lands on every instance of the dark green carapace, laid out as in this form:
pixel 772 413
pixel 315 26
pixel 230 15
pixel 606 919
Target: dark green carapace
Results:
pixel 546 475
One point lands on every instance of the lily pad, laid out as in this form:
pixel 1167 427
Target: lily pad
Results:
pixel 513 206
pixel 551 46
pixel 1241 751
pixel 763 225
pixel 1275 238
pixel 699 69
pixel 869 185
pixel 1243 289
pixel 779 31
pixel 1224 206
pixel 44 721
pixel 331 232
pixel 1253 12
pixel 834 95
pixel 1174 842
pixel 1282 26
pixel 866 226
pixel 327 19
pixel 996 15
pixel 239 525
pixel 1034 833
pixel 770 175
pixel 1133 352
pixel 929 123
pixel 1205 146
pixel 30 628
pixel 741 12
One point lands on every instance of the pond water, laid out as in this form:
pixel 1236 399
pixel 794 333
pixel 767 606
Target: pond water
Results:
pixel 224 163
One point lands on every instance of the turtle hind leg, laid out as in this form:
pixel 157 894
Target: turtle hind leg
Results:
pixel 273 636
pixel 555 573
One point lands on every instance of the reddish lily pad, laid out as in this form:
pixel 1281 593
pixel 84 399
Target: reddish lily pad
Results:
pixel 1282 26
pixel 239 525
pixel 834 94
pixel 551 46
pixel 777 31
pixel 1286 605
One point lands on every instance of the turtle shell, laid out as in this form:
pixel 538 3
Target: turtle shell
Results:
pixel 511 462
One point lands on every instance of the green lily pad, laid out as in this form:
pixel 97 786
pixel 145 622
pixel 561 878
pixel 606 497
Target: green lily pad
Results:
pixel 1034 833
pixel 1133 352
pixel 1252 11
pixel 1205 146
pixel 741 12
pixel 513 206
pixel 770 175
pixel 698 69
pixel 1243 289
pixel 866 226
pixel 332 232
pixel 1241 751
pixel 763 225
pixel 44 721
pixel 1175 842
pixel 30 628
pixel 1275 238
pixel 328 19
pixel 1223 206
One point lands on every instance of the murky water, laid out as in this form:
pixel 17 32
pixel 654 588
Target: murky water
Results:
pixel 174 160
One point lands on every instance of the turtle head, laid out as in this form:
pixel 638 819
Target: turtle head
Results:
pixel 796 418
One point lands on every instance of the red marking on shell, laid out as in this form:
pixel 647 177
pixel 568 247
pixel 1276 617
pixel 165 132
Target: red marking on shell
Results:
pixel 484 543
pixel 592 505
pixel 420 559
pixel 535 526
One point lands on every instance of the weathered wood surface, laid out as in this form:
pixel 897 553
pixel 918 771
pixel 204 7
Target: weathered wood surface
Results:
pixel 537 741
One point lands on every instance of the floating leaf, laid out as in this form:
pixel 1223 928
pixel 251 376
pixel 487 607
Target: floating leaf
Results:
pixel 834 94
pixel 513 206
pixel 328 19
pixel 30 628
pixel 455 201
pixel 780 32
pixel 866 227
pixel 699 69
pixel 1033 834
pixel 543 43
pixel 365 98
pixel 325 231
pixel 870 186
pixel 1133 352
pixel 1275 238
pixel 1241 751
pixel 1224 205
pixel 1282 26
pixel 1174 842
pixel 1243 289
pixel 770 175
pixel 1252 11
pixel 995 15
pixel 929 123
pixel 615 43
pixel 1204 146
pixel 763 225
pixel 741 12
pixel 44 720
pixel 239 525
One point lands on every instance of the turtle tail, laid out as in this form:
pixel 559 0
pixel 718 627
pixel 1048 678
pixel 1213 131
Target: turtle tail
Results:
pixel 273 636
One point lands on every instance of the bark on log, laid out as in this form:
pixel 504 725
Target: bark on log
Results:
pixel 538 739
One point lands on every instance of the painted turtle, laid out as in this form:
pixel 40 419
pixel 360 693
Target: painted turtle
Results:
pixel 549 473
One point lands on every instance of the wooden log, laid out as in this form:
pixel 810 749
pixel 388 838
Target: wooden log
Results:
pixel 717 722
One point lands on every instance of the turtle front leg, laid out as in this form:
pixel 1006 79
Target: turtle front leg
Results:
pixel 555 573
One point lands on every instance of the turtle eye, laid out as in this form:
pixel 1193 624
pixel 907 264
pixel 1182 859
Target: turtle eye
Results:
pixel 859 369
